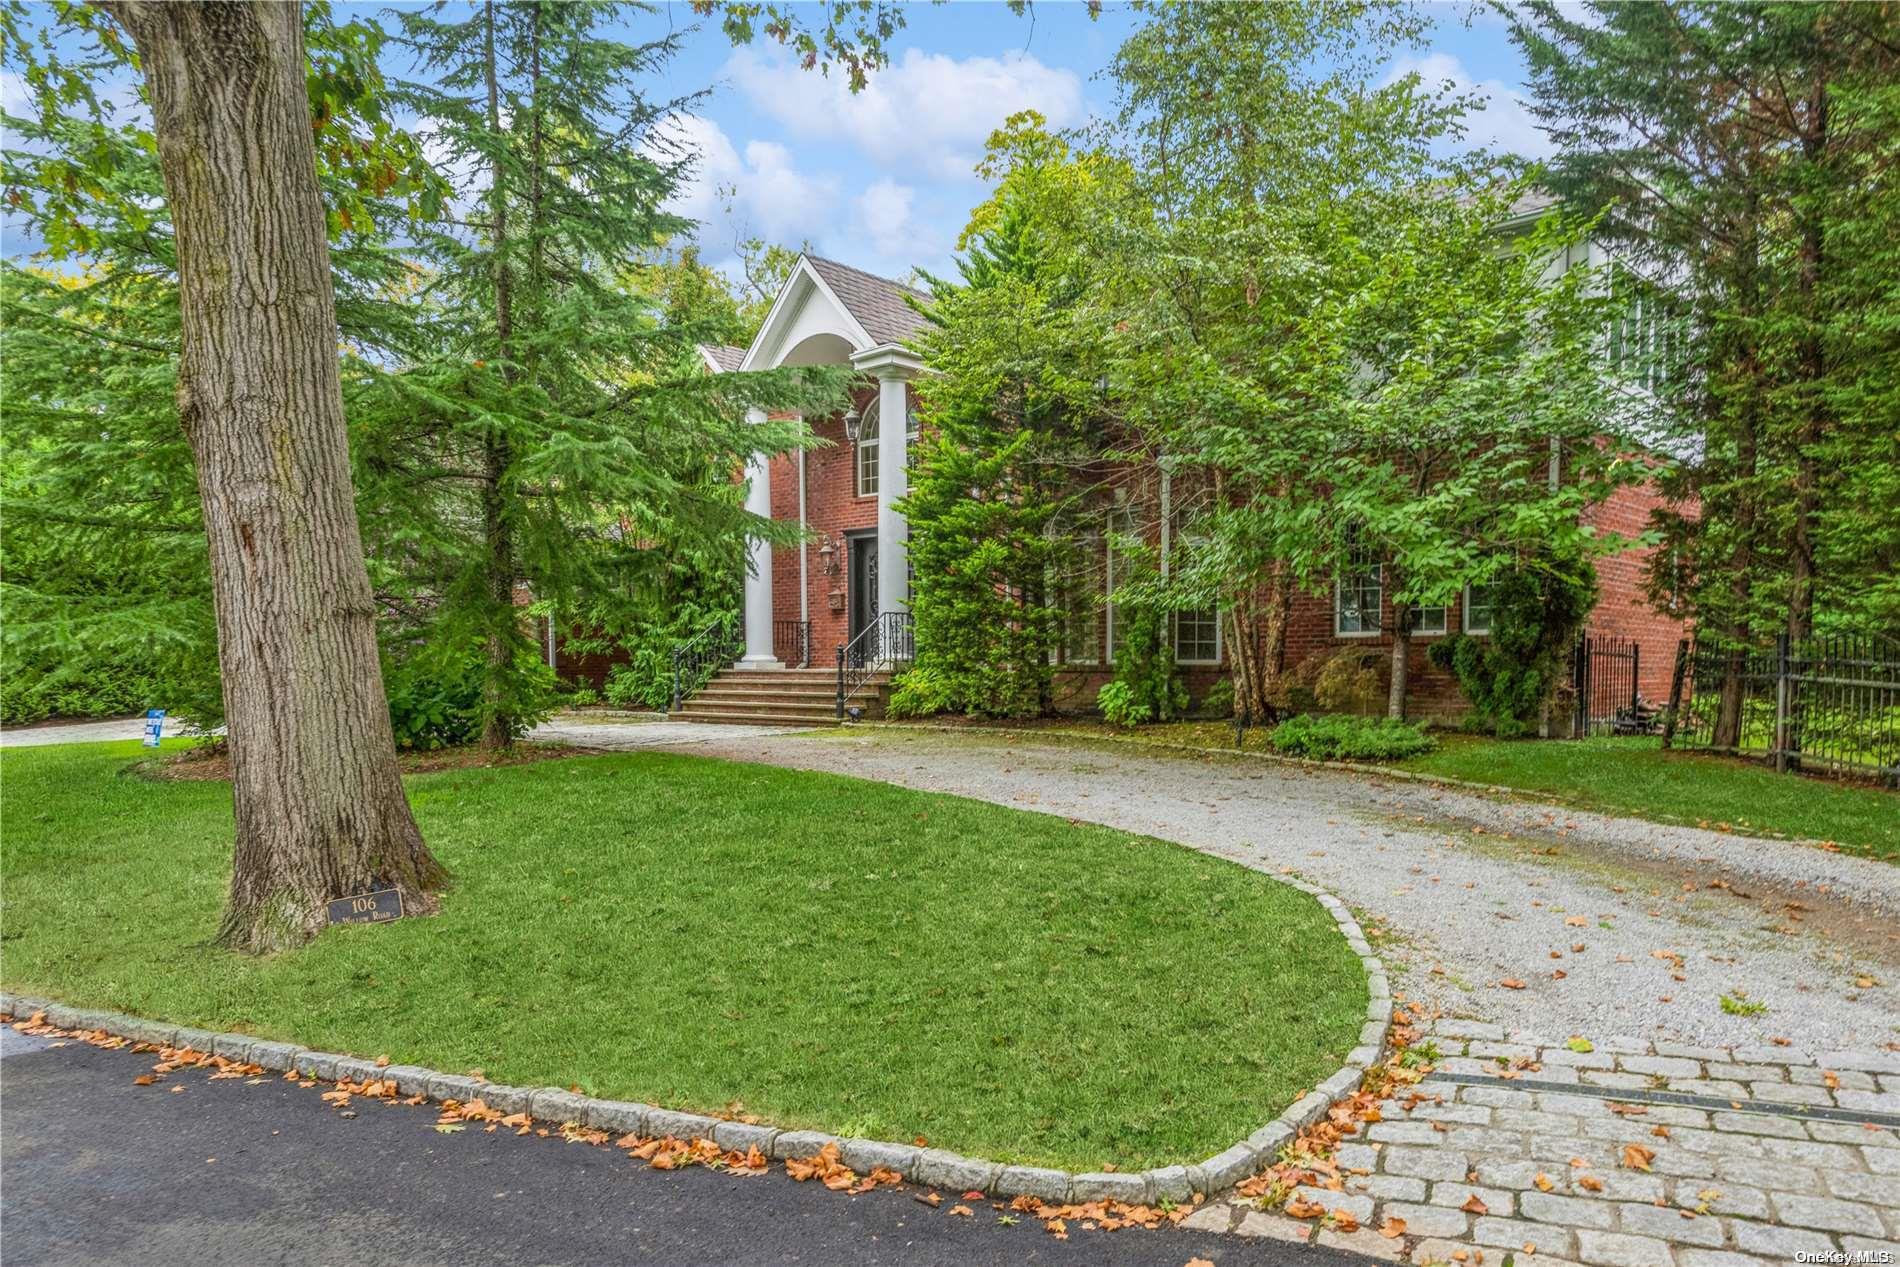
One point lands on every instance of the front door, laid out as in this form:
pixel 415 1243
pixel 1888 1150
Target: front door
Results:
pixel 862 548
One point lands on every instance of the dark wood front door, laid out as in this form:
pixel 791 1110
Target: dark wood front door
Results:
pixel 862 547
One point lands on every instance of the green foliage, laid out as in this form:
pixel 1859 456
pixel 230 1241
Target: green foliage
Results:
pixel 1334 738
pixel 1219 700
pixel 1010 414
pixel 1539 609
pixel 921 691
pixel 1147 685
pixel 437 703
pixel 1120 705
pixel 1349 680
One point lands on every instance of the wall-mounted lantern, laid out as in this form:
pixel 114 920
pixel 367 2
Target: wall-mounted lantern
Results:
pixel 851 419
pixel 828 557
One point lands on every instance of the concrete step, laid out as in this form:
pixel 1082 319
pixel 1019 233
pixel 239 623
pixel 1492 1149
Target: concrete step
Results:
pixel 700 703
pixel 742 717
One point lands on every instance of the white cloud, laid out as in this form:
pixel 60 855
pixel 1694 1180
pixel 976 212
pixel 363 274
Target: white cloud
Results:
pixel 927 112
pixel 885 217
pixel 769 195
pixel 1504 120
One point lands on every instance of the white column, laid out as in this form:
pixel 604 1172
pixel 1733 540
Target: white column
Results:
pixel 758 577
pixel 893 530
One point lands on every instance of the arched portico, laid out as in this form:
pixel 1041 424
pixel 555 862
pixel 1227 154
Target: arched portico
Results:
pixel 827 314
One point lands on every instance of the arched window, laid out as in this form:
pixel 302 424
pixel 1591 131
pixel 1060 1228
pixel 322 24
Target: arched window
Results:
pixel 867 452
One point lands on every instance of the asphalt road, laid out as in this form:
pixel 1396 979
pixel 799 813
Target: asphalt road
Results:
pixel 94 1169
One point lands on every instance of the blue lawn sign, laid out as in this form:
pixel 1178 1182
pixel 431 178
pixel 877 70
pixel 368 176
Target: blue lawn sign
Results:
pixel 154 726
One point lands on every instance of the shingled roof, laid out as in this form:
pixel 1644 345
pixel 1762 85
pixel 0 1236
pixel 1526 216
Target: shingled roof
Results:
pixel 878 303
pixel 722 357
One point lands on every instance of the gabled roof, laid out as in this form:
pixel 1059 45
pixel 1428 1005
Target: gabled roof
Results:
pixel 878 303
pixel 721 358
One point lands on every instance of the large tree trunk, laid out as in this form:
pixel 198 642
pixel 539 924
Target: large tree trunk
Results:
pixel 320 806
pixel 498 722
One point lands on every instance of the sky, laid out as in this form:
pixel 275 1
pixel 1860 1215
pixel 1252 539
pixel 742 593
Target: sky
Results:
pixel 883 179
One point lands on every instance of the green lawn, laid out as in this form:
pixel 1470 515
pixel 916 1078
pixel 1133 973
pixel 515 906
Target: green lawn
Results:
pixel 1635 776
pixel 831 953
pixel 1619 776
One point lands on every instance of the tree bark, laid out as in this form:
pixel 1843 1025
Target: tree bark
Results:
pixel 497 451
pixel 1401 661
pixel 319 801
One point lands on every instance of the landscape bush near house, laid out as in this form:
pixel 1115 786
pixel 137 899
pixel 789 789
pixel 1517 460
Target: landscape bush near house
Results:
pixel 922 691
pixel 1510 675
pixel 437 702
pixel 1349 739
pixel 1147 686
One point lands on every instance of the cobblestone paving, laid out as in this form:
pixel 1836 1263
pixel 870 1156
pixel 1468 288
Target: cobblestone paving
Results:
pixel 1784 1152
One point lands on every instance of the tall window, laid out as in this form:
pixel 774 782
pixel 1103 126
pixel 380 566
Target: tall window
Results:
pixel 1647 334
pixel 1477 609
pixel 867 452
pixel 1079 594
pixel 1197 637
pixel 1358 593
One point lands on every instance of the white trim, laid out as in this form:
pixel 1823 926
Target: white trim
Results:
pixel 1444 620
pixel 803 281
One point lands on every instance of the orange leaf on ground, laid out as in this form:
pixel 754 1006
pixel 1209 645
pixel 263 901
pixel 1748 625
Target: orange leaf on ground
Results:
pixel 1392 1228
pixel 1343 1221
pixel 1590 1184
pixel 1543 1182
pixel 1511 983
pixel 1301 1208
pixel 1636 1157
pixel 144 1080
pixel 1474 1204
pixel 961 1211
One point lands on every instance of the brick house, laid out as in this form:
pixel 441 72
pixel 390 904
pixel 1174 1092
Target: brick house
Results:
pixel 804 602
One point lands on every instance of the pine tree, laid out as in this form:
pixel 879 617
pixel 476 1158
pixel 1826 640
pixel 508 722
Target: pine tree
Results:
pixel 560 422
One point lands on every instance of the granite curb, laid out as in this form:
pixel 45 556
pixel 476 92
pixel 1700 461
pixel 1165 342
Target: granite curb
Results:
pixel 930 1166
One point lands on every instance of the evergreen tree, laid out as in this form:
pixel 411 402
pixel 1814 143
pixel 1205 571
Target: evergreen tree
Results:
pixel 1746 161
pixel 560 423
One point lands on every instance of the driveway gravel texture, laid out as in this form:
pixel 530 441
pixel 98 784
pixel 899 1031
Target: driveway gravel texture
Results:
pixel 1463 892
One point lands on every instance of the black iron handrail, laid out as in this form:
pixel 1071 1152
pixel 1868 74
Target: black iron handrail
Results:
pixel 791 642
pixel 888 641
pixel 695 660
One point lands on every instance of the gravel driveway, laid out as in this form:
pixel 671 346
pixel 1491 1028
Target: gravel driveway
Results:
pixel 1471 891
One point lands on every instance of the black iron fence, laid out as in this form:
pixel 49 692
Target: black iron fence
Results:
pixel 1822 704
pixel 1604 673
pixel 791 642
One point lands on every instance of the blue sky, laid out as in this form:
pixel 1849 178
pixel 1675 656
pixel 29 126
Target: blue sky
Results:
pixel 882 179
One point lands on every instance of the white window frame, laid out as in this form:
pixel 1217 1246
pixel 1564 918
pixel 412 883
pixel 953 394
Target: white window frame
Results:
pixel 1378 614
pixel 1464 618
pixel 864 459
pixel 1174 635
pixel 1096 568
pixel 1419 631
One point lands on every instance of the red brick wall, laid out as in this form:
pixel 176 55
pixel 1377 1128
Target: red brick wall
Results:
pixel 832 507
pixel 1623 608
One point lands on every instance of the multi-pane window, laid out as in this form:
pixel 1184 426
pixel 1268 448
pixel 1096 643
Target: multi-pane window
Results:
pixel 1647 334
pixel 1477 609
pixel 1080 597
pixel 1428 620
pixel 1197 637
pixel 867 452
pixel 1358 594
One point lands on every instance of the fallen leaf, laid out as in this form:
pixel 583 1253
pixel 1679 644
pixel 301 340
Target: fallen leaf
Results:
pixel 960 1211
pixel 1392 1228
pixel 1511 983
pixel 1581 1045
pixel 1589 1183
pixel 144 1080
pixel 1475 1205
pixel 1301 1208
pixel 1636 1157
pixel 1543 1182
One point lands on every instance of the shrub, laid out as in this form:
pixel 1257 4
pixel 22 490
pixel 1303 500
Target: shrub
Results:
pixel 1507 676
pixel 1351 680
pixel 1120 706
pixel 439 704
pixel 1219 700
pixel 921 692
pixel 1349 739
